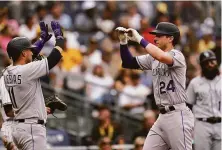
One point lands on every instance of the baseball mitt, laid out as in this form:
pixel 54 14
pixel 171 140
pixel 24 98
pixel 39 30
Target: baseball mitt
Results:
pixel 54 102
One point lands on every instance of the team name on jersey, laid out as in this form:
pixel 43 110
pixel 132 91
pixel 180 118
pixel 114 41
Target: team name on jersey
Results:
pixel 201 95
pixel 13 79
pixel 160 72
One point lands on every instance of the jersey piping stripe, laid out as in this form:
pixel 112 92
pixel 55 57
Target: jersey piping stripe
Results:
pixel 183 131
pixel 10 95
pixel 32 138
pixel 14 98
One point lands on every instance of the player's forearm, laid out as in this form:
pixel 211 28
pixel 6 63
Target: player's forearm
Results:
pixel 8 110
pixel 128 61
pixel 10 114
pixel 54 57
pixel 56 54
pixel 39 45
pixel 190 106
pixel 156 52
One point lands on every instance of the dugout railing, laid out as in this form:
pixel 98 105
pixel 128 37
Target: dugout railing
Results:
pixel 78 119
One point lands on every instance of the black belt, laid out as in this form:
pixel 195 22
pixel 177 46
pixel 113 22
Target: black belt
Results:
pixel 163 109
pixel 42 122
pixel 10 119
pixel 210 120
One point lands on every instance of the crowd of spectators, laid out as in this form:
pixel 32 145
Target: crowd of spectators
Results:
pixel 112 131
pixel 91 64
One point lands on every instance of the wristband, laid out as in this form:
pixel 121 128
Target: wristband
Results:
pixel 59 49
pixel 144 43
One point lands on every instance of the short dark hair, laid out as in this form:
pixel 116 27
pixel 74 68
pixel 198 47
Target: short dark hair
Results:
pixel 176 39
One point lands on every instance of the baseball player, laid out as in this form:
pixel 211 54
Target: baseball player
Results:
pixel 6 110
pixel 7 113
pixel 204 94
pixel 23 84
pixel 174 126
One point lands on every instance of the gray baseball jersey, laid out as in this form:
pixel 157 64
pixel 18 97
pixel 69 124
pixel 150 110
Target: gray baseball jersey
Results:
pixel 4 98
pixel 168 81
pixel 7 121
pixel 205 96
pixel 24 87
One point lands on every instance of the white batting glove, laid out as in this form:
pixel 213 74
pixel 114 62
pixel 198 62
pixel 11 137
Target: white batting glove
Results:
pixel 122 34
pixel 133 35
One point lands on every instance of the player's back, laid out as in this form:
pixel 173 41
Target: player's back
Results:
pixel 23 85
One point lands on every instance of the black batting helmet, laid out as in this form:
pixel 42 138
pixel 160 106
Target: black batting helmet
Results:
pixel 167 28
pixel 207 55
pixel 17 45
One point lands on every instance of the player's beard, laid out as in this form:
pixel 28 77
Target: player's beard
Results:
pixel 210 74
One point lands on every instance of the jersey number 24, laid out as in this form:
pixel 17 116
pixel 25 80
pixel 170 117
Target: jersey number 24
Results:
pixel 169 87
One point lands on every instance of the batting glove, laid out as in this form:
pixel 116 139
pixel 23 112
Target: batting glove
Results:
pixel 57 30
pixel 60 41
pixel 122 34
pixel 133 35
pixel 44 37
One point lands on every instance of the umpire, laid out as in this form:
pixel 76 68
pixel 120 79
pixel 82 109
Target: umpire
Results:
pixel 23 84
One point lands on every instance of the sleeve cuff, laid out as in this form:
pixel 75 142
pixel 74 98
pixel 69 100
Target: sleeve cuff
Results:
pixel 144 43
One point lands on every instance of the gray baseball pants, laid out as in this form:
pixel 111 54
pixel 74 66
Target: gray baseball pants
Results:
pixel 173 130
pixel 29 136
pixel 207 136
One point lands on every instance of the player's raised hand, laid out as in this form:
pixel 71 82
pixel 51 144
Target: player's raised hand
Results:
pixel 45 36
pixel 133 35
pixel 122 34
pixel 60 41
pixel 57 29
